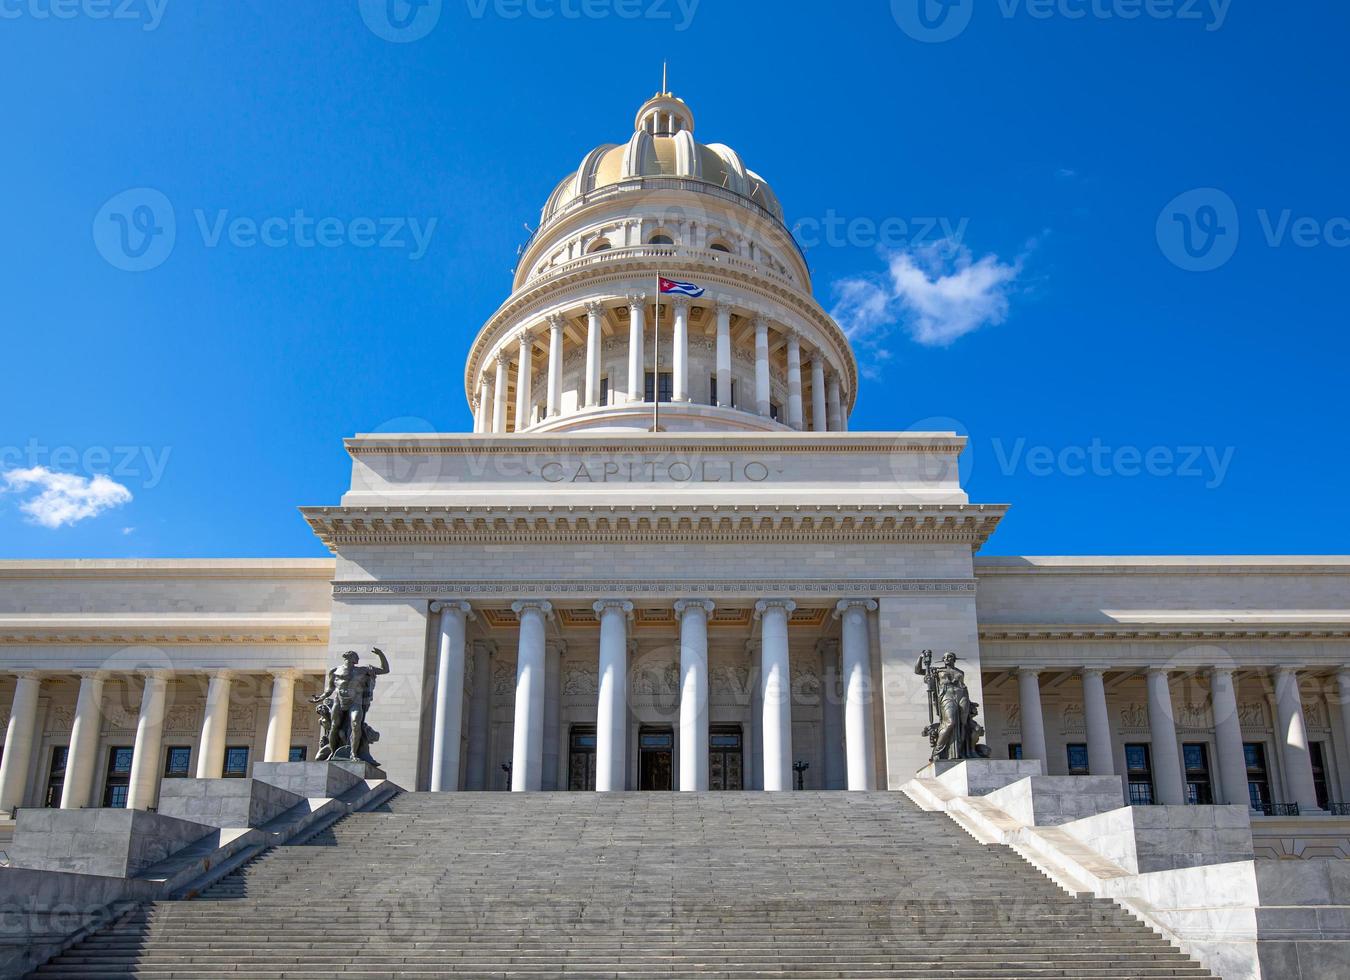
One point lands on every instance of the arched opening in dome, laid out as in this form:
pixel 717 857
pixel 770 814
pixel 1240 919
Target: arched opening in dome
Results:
pixel 720 246
pixel 602 245
pixel 660 238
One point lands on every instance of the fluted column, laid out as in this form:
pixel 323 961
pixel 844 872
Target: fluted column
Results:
pixel 280 715
pixel 857 669
pixel 143 783
pixel 525 381
pixel 1033 720
pixel 794 367
pixel 637 338
pixel 1167 781
pixel 611 717
pixel 693 615
pixel 776 685
pixel 527 750
pixel 479 406
pixel 723 393
pixel 679 354
pixel 486 401
pixel 211 748
pixel 449 718
pixel 556 324
pixel 834 411
pixel 83 756
pixel 818 420
pixel 595 313
pixel 763 392
pixel 554 650
pixel 1101 760
pixel 477 776
pixel 499 395
pixel 20 739
pixel 1232 760
pixel 1293 735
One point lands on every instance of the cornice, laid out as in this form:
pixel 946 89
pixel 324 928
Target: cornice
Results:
pixel 1172 631
pixel 161 638
pixel 827 590
pixel 283 568
pixel 163 630
pixel 720 524
pixel 727 444
pixel 992 565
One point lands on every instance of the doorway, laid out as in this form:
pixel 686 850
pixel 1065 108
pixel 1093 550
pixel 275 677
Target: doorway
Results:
pixel 725 758
pixel 655 748
pixel 581 759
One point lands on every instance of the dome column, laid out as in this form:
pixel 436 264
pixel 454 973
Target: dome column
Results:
pixel 818 419
pixel 835 408
pixel 794 366
pixel 637 336
pixel 679 354
pixel 724 355
pixel 499 396
pixel 594 314
pixel 483 422
pixel 524 381
pixel 555 364
pixel 762 395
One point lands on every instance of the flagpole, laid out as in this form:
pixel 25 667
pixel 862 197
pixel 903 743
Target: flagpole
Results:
pixel 656 360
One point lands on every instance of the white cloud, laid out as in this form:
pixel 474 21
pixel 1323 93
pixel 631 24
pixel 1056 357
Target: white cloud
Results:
pixel 62 499
pixel 938 293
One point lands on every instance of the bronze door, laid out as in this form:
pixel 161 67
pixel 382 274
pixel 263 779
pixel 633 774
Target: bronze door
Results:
pixel 725 758
pixel 581 758
pixel 655 746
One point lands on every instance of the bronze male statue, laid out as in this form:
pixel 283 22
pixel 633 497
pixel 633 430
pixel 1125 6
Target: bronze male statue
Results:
pixel 343 705
pixel 952 731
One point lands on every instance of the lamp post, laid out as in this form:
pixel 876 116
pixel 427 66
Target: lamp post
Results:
pixel 800 767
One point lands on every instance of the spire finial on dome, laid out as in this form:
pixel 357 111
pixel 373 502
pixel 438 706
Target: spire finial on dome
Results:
pixel 665 88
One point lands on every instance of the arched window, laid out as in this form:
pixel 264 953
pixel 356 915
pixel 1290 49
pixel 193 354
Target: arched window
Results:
pixel 602 245
pixel 720 247
pixel 660 239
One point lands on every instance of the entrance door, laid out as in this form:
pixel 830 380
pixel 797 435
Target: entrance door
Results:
pixel 654 753
pixel 581 758
pixel 725 756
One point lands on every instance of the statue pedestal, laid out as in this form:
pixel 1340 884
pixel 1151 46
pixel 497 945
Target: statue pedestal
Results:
pixel 316 779
pixel 976 777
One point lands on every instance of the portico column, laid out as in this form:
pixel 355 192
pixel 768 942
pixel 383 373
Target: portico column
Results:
pixel 83 755
pixel 835 775
pixel 693 614
pixel 1343 697
pixel 755 729
pixel 1232 759
pixel 211 748
pixel 611 716
pixel 20 737
pixel 818 420
pixel 449 723
pixel 527 750
pixel 776 684
pixel 1294 740
pixel 1101 761
pixel 499 396
pixel 280 715
pixel 857 669
pixel 637 338
pixel 556 323
pixel 679 354
pixel 1033 721
pixel 143 783
pixel 763 398
pixel 723 393
pixel 525 381
pixel 794 367
pixel 476 760
pixel 478 405
pixel 553 655
pixel 1171 789
pixel 594 337
pixel 485 402
pixel 834 412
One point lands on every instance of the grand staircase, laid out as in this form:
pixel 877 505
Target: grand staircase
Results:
pixel 743 885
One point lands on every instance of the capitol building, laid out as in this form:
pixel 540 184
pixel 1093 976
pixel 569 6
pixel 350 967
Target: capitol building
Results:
pixel 663 560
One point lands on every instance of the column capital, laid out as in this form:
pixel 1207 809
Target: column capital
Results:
pixel 637 301
pixel 680 302
pixel 502 360
pixel 28 674
pixel 603 606
pixel 1342 674
pixel 752 646
pixel 863 605
pixel 1285 670
pixel 526 337
pixel 761 320
pixel 1156 670
pixel 595 308
pixel 828 645
pixel 707 605
pixel 792 336
pixel 556 321
pixel 557 647
pixel 454 607
pixel 764 605
pixel 156 674
pixel 1030 671
pixel 92 675
pixel 542 606
pixel 722 306
pixel 1222 671
pixel 1099 671
pixel 285 673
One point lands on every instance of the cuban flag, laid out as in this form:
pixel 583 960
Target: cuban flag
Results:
pixel 683 288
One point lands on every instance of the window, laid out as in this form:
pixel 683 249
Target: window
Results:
pixel 1258 777
pixel 177 762
pixel 775 411
pixel 719 247
pixel 1078 759
pixel 117 784
pixel 712 392
pixel 1317 751
pixel 236 762
pixel 1139 769
pixel 604 390
pixel 602 245
pixel 667 387
pixel 299 753
pixel 660 239
pixel 1015 750
pixel 56 776
pixel 1195 758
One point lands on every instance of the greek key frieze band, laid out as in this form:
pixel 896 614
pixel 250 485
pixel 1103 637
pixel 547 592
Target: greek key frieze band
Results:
pixel 831 588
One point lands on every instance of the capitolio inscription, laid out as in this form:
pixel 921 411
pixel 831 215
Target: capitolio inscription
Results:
pixel 654 471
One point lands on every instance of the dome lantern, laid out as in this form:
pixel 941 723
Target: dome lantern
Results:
pixel 664 115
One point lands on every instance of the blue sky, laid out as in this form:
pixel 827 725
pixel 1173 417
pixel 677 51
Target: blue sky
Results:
pixel 1140 368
